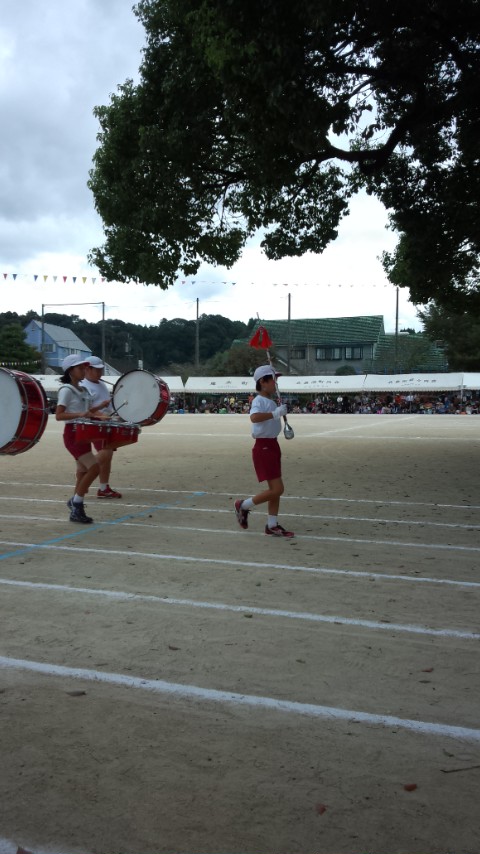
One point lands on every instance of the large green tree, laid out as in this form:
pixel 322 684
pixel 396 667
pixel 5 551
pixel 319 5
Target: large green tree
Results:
pixel 459 332
pixel 15 353
pixel 266 115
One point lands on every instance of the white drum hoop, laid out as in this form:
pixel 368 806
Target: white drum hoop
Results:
pixel 24 411
pixel 140 397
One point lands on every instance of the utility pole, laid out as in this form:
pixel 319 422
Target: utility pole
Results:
pixel 50 305
pixel 288 337
pixel 103 333
pixel 42 342
pixel 197 340
pixel 396 336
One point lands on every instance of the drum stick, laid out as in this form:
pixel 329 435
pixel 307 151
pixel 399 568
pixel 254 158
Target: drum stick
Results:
pixel 116 409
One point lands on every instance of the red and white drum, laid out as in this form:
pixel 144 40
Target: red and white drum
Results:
pixel 24 412
pixel 111 432
pixel 141 397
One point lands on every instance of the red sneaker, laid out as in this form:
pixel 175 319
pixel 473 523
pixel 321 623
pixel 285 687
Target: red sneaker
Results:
pixel 242 515
pixel 278 531
pixel 108 493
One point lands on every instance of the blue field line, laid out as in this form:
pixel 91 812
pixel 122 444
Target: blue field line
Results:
pixel 88 529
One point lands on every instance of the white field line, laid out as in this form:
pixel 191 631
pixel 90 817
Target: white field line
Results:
pixel 315 537
pixel 199 694
pixel 123 596
pixel 362 429
pixel 319 498
pixel 242 563
pixel 328 435
pixel 214 510
pixel 9 847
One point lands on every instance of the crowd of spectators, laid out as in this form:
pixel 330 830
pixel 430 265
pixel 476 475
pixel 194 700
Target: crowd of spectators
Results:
pixel 370 404
pixel 387 404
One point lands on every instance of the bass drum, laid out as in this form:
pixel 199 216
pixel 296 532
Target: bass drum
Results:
pixel 24 412
pixel 110 432
pixel 141 398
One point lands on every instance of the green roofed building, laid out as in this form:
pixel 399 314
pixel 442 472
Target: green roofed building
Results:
pixel 409 353
pixel 323 346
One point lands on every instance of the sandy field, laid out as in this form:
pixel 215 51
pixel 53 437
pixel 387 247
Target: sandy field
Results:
pixel 172 683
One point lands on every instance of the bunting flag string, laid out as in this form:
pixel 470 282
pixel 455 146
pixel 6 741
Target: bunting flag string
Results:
pixel 93 279
pixel 46 277
pixel 19 364
pixel 330 285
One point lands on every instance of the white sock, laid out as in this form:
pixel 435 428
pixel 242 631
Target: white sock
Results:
pixel 102 486
pixel 77 499
pixel 272 522
pixel 247 504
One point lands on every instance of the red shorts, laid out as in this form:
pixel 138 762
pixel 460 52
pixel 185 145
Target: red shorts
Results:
pixel 76 449
pixel 266 455
pixel 100 444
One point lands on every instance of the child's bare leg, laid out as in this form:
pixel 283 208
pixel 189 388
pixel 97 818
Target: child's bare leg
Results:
pixel 87 479
pixel 271 495
pixel 81 470
pixel 104 458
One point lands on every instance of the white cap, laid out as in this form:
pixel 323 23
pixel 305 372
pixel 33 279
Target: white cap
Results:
pixel 95 362
pixel 264 371
pixel 72 361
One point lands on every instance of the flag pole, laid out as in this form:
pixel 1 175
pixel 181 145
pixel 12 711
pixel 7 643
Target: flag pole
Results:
pixel 261 340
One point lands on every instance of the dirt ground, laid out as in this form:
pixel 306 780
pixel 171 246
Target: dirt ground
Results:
pixel 240 694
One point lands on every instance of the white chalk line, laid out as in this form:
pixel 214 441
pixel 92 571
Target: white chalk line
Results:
pixel 303 536
pixel 244 564
pixel 218 510
pixel 328 435
pixel 319 498
pixel 194 692
pixel 124 596
pixel 372 437
pixel 9 847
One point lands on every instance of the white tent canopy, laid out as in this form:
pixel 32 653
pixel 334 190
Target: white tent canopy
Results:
pixel 220 385
pixel 51 382
pixel 175 384
pixel 355 384
pixel 414 382
pixel 471 381
pixel 380 382
pixel 322 385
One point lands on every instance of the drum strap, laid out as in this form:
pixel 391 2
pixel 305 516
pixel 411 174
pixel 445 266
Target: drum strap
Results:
pixel 81 391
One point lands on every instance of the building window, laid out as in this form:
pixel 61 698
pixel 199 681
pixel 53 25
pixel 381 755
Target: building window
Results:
pixel 49 348
pixel 298 353
pixel 354 352
pixel 328 353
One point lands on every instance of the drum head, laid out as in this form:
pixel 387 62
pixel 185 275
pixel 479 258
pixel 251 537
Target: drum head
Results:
pixel 11 407
pixel 137 396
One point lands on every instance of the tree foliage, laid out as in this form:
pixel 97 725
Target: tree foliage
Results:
pixel 269 114
pixel 170 342
pixel 460 333
pixel 14 351
pixel 240 360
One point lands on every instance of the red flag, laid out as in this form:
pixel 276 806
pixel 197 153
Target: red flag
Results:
pixel 261 340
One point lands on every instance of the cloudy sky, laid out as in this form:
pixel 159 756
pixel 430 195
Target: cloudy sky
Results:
pixel 58 60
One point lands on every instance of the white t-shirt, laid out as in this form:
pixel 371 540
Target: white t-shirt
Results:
pixel 99 392
pixel 270 428
pixel 74 399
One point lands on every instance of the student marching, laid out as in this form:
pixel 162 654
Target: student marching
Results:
pixel 265 417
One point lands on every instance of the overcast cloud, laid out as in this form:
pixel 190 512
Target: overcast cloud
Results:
pixel 58 60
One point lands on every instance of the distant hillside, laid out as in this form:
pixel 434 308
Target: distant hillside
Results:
pixel 169 342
